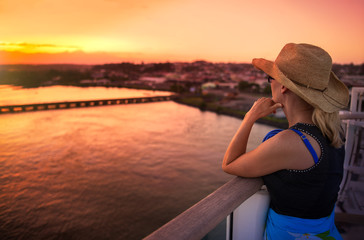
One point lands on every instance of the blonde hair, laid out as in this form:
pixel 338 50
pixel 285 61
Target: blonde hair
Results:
pixel 330 126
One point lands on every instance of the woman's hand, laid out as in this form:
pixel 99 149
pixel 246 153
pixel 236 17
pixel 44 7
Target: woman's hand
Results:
pixel 237 147
pixel 261 108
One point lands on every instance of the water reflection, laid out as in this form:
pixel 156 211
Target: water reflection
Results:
pixel 12 95
pixel 113 172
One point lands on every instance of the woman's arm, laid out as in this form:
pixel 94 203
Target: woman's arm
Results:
pixel 237 147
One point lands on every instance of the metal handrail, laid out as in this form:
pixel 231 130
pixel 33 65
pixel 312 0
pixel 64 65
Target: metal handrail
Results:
pixel 351 115
pixel 200 219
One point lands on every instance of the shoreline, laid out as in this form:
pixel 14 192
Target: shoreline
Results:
pixel 220 108
pixel 233 107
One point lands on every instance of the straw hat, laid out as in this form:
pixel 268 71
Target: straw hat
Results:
pixel 306 70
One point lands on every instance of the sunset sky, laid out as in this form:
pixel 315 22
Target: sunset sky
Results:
pixel 109 31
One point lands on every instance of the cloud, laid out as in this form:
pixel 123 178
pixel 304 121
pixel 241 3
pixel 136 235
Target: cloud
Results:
pixel 33 45
pixel 76 57
pixel 36 47
pixel 90 58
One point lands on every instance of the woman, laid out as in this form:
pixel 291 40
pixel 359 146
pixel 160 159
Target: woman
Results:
pixel 302 166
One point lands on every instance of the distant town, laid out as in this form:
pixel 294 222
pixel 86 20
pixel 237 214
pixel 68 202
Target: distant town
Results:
pixel 181 77
pixel 224 88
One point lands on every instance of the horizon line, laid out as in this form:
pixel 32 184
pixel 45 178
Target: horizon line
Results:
pixel 103 57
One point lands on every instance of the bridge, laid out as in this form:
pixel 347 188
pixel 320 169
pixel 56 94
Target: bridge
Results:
pixel 79 104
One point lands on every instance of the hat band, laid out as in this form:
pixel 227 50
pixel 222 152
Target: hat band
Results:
pixel 333 101
pixel 328 98
pixel 308 86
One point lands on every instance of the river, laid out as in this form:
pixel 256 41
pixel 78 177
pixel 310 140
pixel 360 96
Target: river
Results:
pixel 110 172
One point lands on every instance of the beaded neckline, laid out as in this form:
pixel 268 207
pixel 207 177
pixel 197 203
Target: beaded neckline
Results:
pixel 305 124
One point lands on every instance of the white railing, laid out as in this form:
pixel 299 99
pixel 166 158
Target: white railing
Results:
pixel 350 198
pixel 201 218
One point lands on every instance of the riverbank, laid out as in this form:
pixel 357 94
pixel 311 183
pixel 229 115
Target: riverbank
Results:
pixel 235 107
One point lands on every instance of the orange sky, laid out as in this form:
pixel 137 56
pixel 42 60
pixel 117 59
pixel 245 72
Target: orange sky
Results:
pixel 105 31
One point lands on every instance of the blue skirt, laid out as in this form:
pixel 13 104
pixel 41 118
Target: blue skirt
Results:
pixel 285 227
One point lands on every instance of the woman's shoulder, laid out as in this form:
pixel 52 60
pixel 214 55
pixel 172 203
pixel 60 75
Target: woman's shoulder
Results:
pixel 280 136
pixel 288 145
pixel 284 143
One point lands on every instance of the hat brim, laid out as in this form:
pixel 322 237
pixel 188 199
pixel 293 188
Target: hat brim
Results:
pixel 332 99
